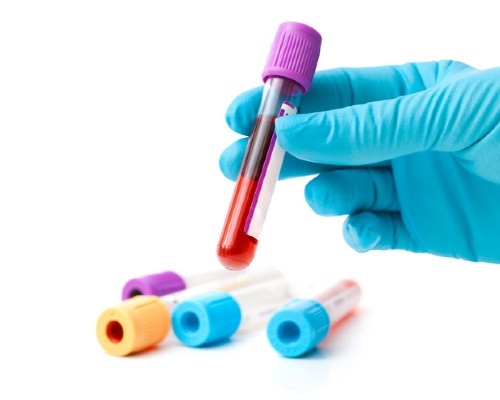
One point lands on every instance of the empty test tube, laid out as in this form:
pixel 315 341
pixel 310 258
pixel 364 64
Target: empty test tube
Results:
pixel 303 323
pixel 217 315
pixel 144 321
pixel 163 283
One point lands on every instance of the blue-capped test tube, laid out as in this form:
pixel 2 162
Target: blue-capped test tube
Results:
pixel 303 323
pixel 215 316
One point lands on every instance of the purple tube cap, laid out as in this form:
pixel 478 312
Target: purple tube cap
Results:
pixel 294 54
pixel 159 284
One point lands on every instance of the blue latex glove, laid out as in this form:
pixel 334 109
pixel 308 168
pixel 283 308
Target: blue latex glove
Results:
pixel 411 153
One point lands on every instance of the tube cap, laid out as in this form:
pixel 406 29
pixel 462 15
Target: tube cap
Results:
pixel 206 318
pixel 155 284
pixel 298 327
pixel 294 54
pixel 132 326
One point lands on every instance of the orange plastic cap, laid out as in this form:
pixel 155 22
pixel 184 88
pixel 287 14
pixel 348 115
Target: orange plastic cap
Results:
pixel 134 325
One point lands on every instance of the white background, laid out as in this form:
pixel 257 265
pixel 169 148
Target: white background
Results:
pixel 111 126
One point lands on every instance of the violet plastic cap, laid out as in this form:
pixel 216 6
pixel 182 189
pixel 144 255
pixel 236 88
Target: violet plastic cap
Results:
pixel 294 54
pixel 154 284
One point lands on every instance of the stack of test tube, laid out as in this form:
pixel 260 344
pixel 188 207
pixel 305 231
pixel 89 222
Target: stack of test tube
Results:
pixel 143 321
pixel 211 311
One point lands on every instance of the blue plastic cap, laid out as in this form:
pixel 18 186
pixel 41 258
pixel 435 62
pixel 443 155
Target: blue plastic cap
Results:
pixel 206 318
pixel 298 327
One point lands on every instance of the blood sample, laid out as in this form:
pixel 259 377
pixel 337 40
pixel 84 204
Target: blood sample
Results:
pixel 301 324
pixel 288 74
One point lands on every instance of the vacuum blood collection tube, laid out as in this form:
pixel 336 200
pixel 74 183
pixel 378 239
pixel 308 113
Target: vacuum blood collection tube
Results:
pixel 166 282
pixel 143 321
pixel 215 316
pixel 302 323
pixel 288 74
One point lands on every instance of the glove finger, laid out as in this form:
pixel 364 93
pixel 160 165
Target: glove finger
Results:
pixel 382 130
pixel 241 113
pixel 231 158
pixel 349 191
pixel 342 87
pixel 378 231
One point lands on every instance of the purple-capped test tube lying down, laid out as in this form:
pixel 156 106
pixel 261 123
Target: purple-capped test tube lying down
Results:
pixel 163 283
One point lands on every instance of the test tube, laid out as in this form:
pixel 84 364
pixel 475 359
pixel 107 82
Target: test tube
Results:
pixel 143 321
pixel 287 75
pixel 163 283
pixel 217 315
pixel 303 323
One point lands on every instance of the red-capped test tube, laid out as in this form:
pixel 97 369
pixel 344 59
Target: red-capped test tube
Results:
pixel 288 74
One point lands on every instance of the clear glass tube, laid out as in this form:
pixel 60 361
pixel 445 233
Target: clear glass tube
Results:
pixel 217 315
pixel 258 175
pixel 339 300
pixel 200 278
pixel 235 282
pixel 258 302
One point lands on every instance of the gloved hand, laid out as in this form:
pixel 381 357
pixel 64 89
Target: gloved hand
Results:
pixel 410 152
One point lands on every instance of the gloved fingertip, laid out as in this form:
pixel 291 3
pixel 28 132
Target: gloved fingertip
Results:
pixel 360 234
pixel 280 129
pixel 231 158
pixel 229 117
pixel 226 168
pixel 318 194
pixel 239 124
pixel 311 195
pixel 241 112
pixel 287 123
pixel 287 129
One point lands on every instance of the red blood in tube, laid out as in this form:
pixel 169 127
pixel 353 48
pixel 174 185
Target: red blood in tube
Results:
pixel 236 248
